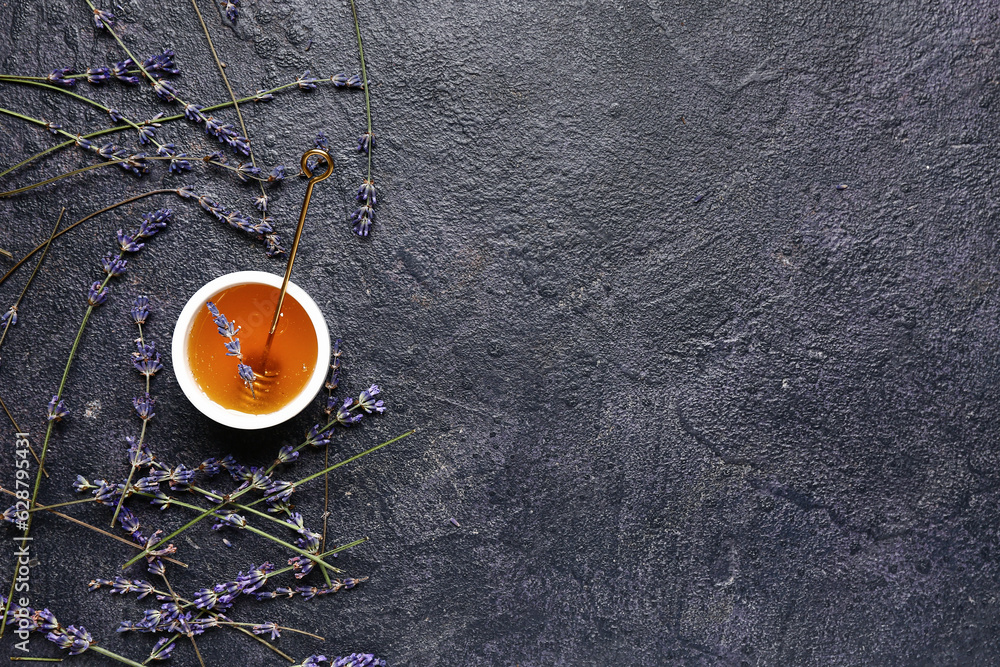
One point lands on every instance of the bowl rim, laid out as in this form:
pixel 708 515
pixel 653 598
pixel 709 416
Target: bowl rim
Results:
pixel 234 418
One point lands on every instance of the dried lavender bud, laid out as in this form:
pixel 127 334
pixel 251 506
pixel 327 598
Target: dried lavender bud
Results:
pixel 96 75
pixel 261 203
pixel 146 135
pixel 161 62
pixel 144 407
pixel 264 628
pixel 287 454
pixel 153 222
pixel 273 245
pixel 363 218
pixel 58 77
pixel 355 82
pixel 53 127
pixel 165 90
pixel 231 9
pixel 128 243
pixel 367 400
pixel 365 142
pixel 263 96
pixel 103 18
pixel 140 309
pixel 339 80
pixel 186 192
pixel 277 174
pixel 306 81
pixel 148 365
pixel 116 116
pixel 97 294
pixel 322 142
pixel 112 265
pixel 358 660
pixel 366 193
pixel 245 172
pixel 162 649
pixel 9 318
pixel 120 71
pixel 81 484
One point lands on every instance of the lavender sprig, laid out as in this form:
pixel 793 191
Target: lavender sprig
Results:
pixel 229 330
pixel 57 410
pixel 145 359
pixel 364 215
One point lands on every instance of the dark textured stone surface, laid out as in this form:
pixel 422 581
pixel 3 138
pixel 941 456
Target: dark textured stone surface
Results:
pixel 690 403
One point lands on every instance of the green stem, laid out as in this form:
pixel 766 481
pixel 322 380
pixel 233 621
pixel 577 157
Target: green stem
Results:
pixel 41 508
pixel 364 79
pixel 114 656
pixel 142 438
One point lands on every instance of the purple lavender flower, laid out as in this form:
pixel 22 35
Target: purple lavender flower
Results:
pixel 53 127
pixel 245 172
pixel 165 90
pixel 140 309
pixel 153 222
pixel 277 174
pixel 120 71
pixel 129 243
pixel 116 116
pixel 306 81
pixel 112 265
pixel 261 203
pixel 365 142
pixel 366 193
pixel 232 10
pixel 263 96
pixel 355 82
pixel 367 402
pixel 162 649
pixel 358 660
pixel 312 661
pixel 363 218
pixel 265 628
pixel 161 62
pixel 97 294
pixel 339 80
pixel 9 318
pixel 96 75
pixel 273 245
pixel 82 484
pixel 103 18
pixel 144 407
pixel 148 366
pixel 287 454
pixel 58 77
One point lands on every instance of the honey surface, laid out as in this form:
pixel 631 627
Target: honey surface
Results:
pixel 290 361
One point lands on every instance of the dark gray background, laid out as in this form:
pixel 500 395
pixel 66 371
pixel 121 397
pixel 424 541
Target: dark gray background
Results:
pixel 690 403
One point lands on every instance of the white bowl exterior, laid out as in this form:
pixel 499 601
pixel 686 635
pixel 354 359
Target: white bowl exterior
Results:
pixel 234 418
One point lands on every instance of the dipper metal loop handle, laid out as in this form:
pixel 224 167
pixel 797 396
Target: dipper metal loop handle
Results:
pixel 313 180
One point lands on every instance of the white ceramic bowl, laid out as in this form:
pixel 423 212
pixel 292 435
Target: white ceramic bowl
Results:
pixel 234 418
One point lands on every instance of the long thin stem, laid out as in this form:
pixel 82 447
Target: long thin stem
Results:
pixel 232 95
pixel 114 656
pixel 142 438
pixel 364 78
pixel 16 305
pixel 82 220
pixel 209 512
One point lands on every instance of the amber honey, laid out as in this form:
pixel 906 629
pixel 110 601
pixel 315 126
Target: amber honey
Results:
pixel 290 361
